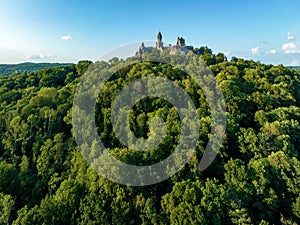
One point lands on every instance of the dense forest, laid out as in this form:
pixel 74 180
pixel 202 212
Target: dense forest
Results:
pixel 14 69
pixel 254 179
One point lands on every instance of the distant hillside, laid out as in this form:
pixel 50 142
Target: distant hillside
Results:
pixel 297 68
pixel 12 69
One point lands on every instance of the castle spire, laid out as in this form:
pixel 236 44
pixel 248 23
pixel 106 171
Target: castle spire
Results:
pixel 159 36
pixel 159 43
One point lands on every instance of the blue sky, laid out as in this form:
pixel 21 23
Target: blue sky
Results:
pixel 68 31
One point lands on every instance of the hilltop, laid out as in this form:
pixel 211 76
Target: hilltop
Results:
pixel 13 69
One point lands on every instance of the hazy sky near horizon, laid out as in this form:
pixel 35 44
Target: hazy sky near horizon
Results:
pixel 69 31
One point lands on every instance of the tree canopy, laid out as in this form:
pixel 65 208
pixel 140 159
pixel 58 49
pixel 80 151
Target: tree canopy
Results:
pixel 254 179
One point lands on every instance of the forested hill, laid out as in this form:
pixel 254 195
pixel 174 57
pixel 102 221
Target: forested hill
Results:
pixel 253 180
pixel 294 68
pixel 13 69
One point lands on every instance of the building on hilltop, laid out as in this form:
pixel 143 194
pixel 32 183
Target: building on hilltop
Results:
pixel 180 46
pixel 143 49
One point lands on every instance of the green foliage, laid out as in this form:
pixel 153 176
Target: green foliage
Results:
pixel 6 208
pixel 254 180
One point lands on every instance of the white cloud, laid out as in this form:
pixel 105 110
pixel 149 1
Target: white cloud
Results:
pixel 40 55
pixel 290 48
pixel 272 52
pixel 255 51
pixel 8 56
pixel 290 36
pixel 295 62
pixel 66 38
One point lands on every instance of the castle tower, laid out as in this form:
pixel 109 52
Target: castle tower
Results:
pixel 159 43
pixel 180 41
pixel 159 37
pixel 141 49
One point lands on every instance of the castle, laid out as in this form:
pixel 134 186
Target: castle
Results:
pixel 180 46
